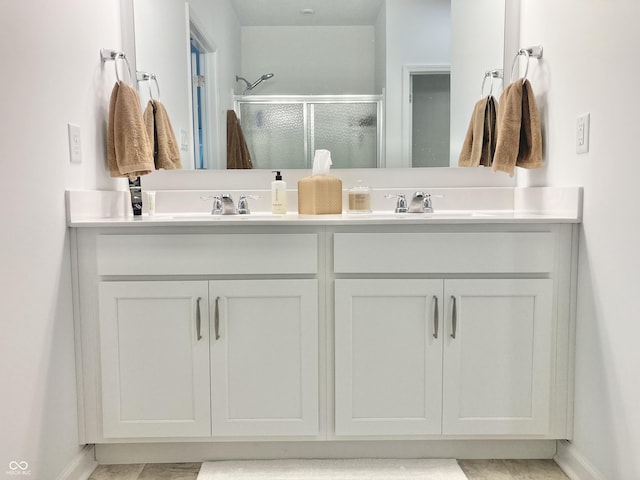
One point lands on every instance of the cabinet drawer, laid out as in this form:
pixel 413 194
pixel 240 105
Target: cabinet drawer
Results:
pixel 472 252
pixel 207 254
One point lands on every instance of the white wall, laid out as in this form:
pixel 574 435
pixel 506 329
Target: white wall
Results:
pixel 381 49
pixel 220 25
pixel 477 40
pixel 162 48
pixel 418 33
pixel 309 60
pixel 52 75
pixel 589 66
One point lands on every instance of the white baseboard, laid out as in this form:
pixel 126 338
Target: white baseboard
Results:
pixel 574 464
pixel 81 466
pixel 206 451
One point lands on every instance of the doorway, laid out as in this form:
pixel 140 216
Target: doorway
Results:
pixel 426 116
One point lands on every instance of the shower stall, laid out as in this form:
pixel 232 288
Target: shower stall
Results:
pixel 284 131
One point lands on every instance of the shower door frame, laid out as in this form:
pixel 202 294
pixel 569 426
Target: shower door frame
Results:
pixel 307 102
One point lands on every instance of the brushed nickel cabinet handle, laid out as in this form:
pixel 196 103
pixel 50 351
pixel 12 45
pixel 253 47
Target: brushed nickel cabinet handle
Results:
pixel 216 319
pixel 436 319
pixel 454 317
pixel 198 320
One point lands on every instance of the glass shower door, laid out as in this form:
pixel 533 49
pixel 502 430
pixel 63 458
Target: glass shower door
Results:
pixel 349 130
pixel 275 134
pixel 283 132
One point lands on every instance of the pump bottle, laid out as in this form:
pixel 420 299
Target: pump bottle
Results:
pixel 278 195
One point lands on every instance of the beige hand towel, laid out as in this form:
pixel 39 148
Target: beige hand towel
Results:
pixel 238 155
pixel 480 142
pixel 519 133
pixel 163 141
pixel 128 150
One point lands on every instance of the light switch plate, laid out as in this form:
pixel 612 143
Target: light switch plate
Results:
pixel 184 140
pixel 582 133
pixel 75 146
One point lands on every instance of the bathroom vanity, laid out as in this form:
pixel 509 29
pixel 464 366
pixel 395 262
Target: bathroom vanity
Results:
pixel 456 325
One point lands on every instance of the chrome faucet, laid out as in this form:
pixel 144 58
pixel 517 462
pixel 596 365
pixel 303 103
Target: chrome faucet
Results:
pixel 223 205
pixel 421 203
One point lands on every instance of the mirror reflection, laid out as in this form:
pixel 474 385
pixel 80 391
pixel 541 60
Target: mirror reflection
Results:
pixel 379 83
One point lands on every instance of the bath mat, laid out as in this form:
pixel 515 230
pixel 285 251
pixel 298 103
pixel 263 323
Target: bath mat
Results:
pixel 356 469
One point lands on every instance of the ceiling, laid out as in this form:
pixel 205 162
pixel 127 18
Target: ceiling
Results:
pixel 288 12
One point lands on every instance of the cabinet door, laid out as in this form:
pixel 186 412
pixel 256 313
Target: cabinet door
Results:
pixel 264 357
pixel 154 345
pixel 497 369
pixel 388 354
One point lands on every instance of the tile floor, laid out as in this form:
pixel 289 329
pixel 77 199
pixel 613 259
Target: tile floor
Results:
pixel 473 469
pixel 512 470
pixel 150 471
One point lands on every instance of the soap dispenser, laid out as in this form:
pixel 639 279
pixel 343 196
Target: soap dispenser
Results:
pixel 278 195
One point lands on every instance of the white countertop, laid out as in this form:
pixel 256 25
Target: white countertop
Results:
pixel 511 205
pixel 375 218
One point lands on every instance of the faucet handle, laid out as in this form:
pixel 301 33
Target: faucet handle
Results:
pixel 428 206
pixel 243 204
pixel 401 204
pixel 216 208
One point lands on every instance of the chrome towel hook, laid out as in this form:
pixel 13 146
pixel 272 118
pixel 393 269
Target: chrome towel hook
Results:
pixel 492 74
pixel 107 55
pixel 148 77
pixel 535 52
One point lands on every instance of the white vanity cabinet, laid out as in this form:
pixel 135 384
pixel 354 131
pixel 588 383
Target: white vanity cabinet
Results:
pixel 154 358
pixel 497 376
pixel 469 349
pixel 199 335
pixel 316 331
pixel 264 357
pixel 388 375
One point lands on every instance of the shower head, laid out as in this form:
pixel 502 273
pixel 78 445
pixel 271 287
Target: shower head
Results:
pixel 264 77
pixel 251 86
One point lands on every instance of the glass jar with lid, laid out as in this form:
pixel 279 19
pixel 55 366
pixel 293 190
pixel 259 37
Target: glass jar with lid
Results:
pixel 359 199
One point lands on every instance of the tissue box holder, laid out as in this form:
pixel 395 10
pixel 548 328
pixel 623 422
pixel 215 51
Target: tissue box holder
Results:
pixel 320 195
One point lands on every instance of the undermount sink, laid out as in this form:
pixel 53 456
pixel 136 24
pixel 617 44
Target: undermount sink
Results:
pixel 439 214
pixel 379 214
pixel 210 216
pixel 183 215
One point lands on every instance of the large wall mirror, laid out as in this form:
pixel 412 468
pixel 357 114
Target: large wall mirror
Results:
pixel 380 83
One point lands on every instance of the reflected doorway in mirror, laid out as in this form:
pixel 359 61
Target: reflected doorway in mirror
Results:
pixel 426 102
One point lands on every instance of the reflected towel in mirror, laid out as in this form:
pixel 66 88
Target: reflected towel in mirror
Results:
pixel 161 137
pixel 479 144
pixel 238 155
